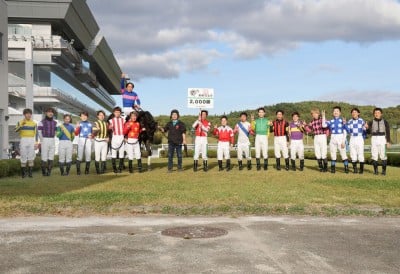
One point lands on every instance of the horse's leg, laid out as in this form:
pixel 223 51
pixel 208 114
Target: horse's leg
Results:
pixel 148 148
pixel 149 163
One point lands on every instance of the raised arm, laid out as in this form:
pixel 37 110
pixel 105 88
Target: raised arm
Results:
pixel 195 124
pixel 122 82
pixel 19 125
pixel 325 124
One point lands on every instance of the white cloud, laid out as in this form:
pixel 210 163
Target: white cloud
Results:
pixel 168 64
pixel 372 97
pixel 151 30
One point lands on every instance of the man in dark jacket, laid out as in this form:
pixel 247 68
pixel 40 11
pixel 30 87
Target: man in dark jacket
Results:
pixel 176 138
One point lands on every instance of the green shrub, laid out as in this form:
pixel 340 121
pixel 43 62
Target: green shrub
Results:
pixel 394 159
pixel 4 167
pixel 12 167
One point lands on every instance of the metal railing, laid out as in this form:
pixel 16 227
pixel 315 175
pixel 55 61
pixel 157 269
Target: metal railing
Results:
pixel 214 146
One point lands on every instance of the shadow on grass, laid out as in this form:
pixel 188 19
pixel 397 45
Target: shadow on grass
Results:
pixel 54 184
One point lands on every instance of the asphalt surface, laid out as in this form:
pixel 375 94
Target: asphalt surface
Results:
pixel 251 245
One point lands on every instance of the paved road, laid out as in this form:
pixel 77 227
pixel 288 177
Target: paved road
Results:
pixel 252 245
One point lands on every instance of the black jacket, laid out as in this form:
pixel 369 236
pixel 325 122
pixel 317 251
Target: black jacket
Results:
pixel 175 132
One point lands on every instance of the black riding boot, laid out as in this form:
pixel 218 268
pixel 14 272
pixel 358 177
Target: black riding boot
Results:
pixel 361 168
pixel 375 164
pixel 302 165
pixel 220 168
pixel 87 168
pixel 68 168
pixel 320 166
pixel 265 164
pixel 346 166
pixel 97 166
pixel 287 164
pixel 333 166
pixel 228 164
pixel 30 169
pixel 240 165
pixel 44 168
pixel 248 164
pixel 325 165
pixel 384 164
pixel 355 169
pixel 278 163
pixel 49 167
pixel 130 166
pixel 23 171
pixel 61 165
pixel 78 167
pixel 293 164
pixel 139 165
pixel 114 165
pixel 258 163
pixel 205 166
pixel 102 167
pixel 121 165
pixel 195 165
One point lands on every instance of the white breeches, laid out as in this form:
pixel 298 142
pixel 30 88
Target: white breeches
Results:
pixel 133 149
pixel 84 149
pixel 297 148
pixel 243 148
pixel 378 148
pixel 200 147
pixel 357 148
pixel 280 144
pixel 117 145
pixel 223 150
pixel 48 149
pixel 27 149
pixel 261 145
pixel 65 151
pixel 336 143
pixel 320 146
pixel 100 150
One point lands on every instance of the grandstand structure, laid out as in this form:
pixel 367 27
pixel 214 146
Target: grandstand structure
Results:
pixel 56 57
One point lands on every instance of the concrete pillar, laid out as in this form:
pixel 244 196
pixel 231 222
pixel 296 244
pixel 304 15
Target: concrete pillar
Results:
pixel 29 74
pixel 3 80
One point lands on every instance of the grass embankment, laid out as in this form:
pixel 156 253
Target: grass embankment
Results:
pixel 213 193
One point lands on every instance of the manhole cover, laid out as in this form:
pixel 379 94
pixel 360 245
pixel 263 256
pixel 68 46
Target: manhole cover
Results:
pixel 194 232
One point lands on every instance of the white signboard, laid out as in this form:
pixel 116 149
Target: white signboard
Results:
pixel 200 98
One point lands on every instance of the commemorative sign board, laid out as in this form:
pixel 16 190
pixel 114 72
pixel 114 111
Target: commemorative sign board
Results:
pixel 200 98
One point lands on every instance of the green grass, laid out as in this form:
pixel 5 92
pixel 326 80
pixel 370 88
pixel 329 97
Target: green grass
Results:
pixel 204 193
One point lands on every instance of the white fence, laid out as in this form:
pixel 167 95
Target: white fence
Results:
pixel 162 147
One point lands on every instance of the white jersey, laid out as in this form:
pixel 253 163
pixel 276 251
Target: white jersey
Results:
pixel 243 138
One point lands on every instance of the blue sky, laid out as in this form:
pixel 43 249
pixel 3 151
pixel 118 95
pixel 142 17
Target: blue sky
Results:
pixel 326 71
pixel 256 53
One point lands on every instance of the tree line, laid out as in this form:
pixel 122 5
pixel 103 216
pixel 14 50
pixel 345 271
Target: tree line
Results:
pixel 392 114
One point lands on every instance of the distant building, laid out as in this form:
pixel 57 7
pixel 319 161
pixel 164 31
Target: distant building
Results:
pixel 62 38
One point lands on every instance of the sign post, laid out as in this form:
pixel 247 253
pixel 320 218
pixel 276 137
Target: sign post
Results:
pixel 200 98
